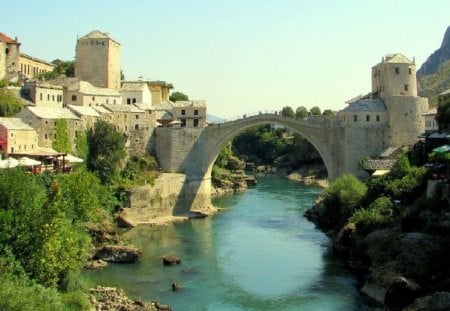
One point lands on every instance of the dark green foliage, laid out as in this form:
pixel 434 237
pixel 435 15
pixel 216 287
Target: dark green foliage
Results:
pixel 327 112
pixel 378 215
pixel 81 144
pixel 315 111
pixel 443 115
pixel 287 112
pixel 301 113
pixel 261 143
pixel 61 142
pixel 342 198
pixel 106 151
pixel 140 169
pixel 37 232
pixel 62 67
pixel 10 104
pixel 178 96
pixel 432 85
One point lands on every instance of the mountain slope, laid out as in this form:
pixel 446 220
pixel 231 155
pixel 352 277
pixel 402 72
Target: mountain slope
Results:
pixel 434 75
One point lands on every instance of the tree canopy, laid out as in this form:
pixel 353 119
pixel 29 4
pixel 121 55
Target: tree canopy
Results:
pixel 315 111
pixel 178 96
pixel 9 103
pixel 62 67
pixel 61 142
pixel 106 151
pixel 287 112
pixel 443 116
pixel 301 113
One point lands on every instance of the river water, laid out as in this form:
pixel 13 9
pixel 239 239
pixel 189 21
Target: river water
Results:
pixel 260 253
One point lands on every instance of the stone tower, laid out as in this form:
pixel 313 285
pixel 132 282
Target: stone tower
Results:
pixel 98 60
pixel 394 81
pixel 9 57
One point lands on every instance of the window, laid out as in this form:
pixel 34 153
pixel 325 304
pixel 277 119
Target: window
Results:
pixel 367 118
pixel 45 136
pixel 183 112
pixel 195 122
pixel 128 101
pixel 196 112
pixel 48 96
pixel 137 116
pixel 40 96
pixel 409 70
pixel 397 70
pixel 74 97
pixel 93 98
pixel 406 87
pixel 53 98
pixel 378 118
pixel 134 100
pixel 355 118
pixel 136 127
pixel 183 123
pixel 12 134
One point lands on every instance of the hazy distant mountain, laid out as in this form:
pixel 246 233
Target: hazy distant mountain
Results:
pixel 434 75
pixel 214 119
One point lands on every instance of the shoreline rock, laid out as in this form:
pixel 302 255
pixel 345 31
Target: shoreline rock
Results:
pixel 118 253
pixel 111 298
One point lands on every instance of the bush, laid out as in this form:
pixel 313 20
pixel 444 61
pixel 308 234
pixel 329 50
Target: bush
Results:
pixel 378 215
pixel 342 198
pixel 9 103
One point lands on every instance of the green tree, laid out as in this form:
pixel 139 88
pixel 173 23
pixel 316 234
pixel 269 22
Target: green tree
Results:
pixel 106 151
pixel 178 96
pixel 443 115
pixel 287 112
pixel 10 104
pixel 327 112
pixel 315 111
pixel 81 144
pixel 301 113
pixel 66 68
pixel 342 198
pixel 61 142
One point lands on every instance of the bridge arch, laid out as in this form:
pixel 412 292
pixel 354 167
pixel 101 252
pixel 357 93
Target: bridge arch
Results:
pixel 316 133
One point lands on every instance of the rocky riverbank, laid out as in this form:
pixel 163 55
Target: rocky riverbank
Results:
pixel 112 299
pixel 401 267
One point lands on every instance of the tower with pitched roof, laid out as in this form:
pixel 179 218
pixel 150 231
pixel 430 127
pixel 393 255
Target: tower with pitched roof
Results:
pixel 98 60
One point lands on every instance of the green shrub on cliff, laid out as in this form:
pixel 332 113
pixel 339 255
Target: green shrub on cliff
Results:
pixel 342 198
pixel 378 215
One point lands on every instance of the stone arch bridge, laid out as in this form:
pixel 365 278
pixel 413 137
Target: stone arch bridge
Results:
pixel 192 151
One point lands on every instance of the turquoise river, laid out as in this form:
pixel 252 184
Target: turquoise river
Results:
pixel 259 253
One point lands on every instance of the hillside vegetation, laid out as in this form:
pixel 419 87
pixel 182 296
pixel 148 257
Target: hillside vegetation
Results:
pixel 432 85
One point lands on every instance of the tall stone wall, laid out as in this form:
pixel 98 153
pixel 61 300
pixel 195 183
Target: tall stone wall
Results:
pixel 2 60
pixel 406 120
pixel 174 146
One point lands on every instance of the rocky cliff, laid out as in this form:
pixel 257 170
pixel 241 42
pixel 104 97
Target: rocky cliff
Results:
pixel 434 75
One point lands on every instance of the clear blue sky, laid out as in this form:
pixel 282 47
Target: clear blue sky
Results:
pixel 240 56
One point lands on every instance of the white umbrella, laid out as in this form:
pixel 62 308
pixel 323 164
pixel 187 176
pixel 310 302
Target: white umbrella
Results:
pixel 25 161
pixel 9 163
pixel 71 158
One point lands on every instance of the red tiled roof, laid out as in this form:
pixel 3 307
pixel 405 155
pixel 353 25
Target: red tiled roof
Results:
pixel 6 39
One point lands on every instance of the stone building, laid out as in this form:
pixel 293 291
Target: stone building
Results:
pixel 160 91
pixel 9 57
pixel 16 137
pixel 135 92
pixel 43 94
pixel 82 93
pixel 136 124
pixel 394 81
pixel 431 124
pixel 87 115
pixel 31 67
pixel 98 60
pixel 43 119
pixel 191 113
